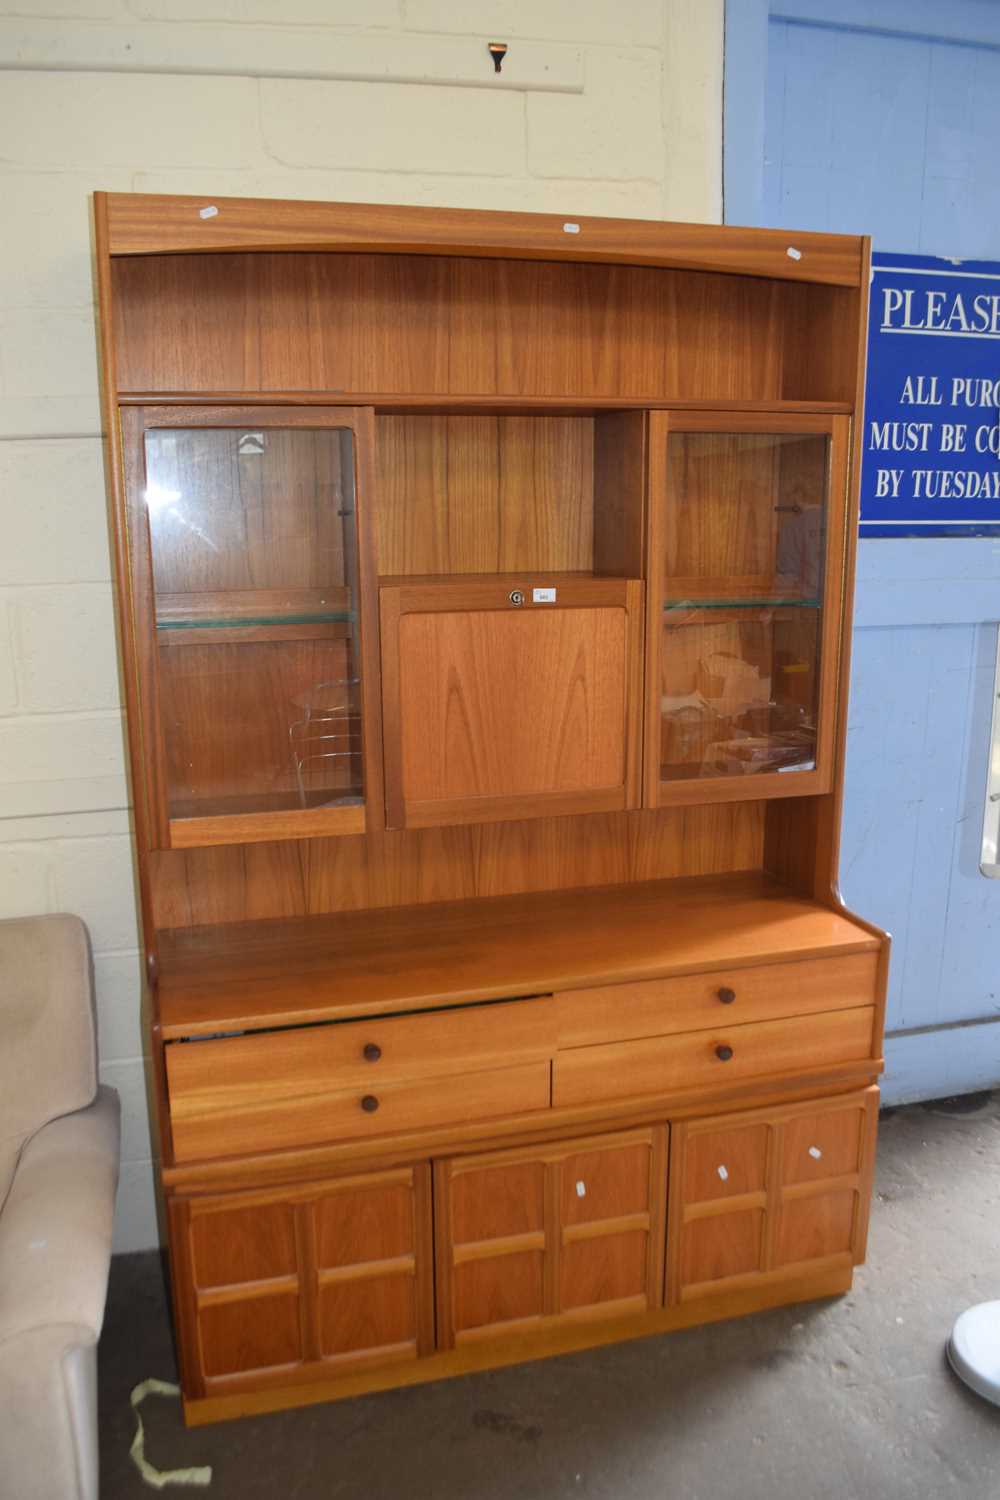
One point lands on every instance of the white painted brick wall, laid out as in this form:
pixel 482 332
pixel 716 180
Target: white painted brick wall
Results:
pixel 604 107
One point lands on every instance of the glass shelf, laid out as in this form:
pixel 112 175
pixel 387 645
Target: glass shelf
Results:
pixel 223 622
pixel 741 603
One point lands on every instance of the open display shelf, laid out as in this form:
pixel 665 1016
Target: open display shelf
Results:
pixel 484 600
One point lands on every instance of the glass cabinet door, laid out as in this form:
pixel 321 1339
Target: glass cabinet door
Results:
pixel 253 553
pixel 747 544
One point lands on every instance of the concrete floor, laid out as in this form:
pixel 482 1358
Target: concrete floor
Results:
pixel 848 1398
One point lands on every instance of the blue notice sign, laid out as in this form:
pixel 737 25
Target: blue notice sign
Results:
pixel 931 462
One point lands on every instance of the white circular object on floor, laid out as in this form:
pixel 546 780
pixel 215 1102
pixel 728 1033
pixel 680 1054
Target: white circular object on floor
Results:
pixel 974 1349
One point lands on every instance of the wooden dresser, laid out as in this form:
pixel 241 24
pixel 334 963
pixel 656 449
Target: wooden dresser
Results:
pixel 485 590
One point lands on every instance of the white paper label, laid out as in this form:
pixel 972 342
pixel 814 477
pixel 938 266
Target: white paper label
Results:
pixel 571 229
pixel 581 1190
pixel 543 596
pixel 208 213
pixel 724 1173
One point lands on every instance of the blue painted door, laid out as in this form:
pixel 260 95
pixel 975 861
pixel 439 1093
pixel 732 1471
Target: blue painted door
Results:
pixel 884 119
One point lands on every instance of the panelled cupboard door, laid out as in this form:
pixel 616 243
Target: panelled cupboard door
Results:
pixel 498 704
pixel 760 1195
pixel 529 1237
pixel 254 615
pixel 301 1283
pixel 744 608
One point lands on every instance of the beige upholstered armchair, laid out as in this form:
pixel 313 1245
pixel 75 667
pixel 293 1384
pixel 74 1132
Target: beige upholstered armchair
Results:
pixel 59 1137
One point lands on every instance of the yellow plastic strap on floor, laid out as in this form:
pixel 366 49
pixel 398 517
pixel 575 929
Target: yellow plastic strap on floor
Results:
pixel 159 1478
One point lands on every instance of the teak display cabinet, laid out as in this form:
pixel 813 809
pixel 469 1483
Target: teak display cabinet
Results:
pixel 484 599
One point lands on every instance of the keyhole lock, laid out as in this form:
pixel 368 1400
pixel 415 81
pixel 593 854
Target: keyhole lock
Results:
pixel 516 597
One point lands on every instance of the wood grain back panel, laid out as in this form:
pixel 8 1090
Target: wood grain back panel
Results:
pixel 194 887
pixel 822 341
pixel 403 324
pixel 474 494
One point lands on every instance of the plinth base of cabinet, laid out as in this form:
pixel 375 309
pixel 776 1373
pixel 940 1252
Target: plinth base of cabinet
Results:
pixel 518 1348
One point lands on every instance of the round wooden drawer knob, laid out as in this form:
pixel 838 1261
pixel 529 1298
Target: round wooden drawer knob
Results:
pixel 372 1052
pixel 723 1053
pixel 726 995
pixel 369 1104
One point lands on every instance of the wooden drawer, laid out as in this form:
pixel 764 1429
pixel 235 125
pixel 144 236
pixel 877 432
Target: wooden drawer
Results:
pixel 271 1124
pixel 234 1072
pixel 696 1059
pixel 690 1002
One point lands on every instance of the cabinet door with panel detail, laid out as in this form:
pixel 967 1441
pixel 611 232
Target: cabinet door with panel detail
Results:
pixel 303 1282
pixel 568 1231
pixel 756 1196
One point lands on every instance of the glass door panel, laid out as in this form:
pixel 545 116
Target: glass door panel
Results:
pixel 254 552
pixel 742 544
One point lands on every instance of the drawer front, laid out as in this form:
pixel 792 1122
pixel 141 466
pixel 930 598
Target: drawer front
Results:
pixel 311 1119
pixel 702 1059
pixel 234 1072
pixel 728 997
